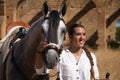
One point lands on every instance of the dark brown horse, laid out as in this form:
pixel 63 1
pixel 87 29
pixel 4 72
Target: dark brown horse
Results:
pixel 19 64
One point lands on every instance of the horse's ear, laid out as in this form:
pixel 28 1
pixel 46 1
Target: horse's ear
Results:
pixel 63 9
pixel 45 8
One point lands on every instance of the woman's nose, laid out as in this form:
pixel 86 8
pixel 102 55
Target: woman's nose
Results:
pixel 80 38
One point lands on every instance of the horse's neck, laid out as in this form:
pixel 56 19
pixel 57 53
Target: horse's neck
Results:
pixel 32 39
pixel 28 45
pixel 25 50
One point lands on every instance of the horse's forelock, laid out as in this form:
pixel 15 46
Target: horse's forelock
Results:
pixel 54 20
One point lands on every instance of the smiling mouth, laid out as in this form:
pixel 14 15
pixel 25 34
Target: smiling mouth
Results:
pixel 80 40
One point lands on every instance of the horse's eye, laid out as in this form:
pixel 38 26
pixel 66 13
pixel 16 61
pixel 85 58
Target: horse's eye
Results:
pixel 42 30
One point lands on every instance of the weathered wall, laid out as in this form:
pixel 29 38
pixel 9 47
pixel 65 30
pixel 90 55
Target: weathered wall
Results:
pixel 1 16
pixel 98 16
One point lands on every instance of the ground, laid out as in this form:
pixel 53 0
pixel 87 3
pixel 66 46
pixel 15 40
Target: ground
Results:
pixel 109 62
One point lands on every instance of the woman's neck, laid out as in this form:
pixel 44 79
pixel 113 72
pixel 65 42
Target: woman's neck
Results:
pixel 75 50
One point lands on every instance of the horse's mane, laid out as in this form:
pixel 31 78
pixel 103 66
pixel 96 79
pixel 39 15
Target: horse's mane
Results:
pixel 36 23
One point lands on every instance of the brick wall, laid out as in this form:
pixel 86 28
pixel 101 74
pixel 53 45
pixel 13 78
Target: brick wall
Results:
pixel 78 11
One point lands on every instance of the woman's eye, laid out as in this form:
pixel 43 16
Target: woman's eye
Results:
pixel 84 33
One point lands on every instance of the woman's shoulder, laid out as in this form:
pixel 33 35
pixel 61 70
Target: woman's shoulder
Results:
pixel 64 52
pixel 91 53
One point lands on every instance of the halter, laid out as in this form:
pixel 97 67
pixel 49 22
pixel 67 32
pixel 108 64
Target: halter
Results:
pixel 48 18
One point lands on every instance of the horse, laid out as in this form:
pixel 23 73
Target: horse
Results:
pixel 20 62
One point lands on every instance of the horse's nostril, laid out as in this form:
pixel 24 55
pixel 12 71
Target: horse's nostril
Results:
pixel 56 58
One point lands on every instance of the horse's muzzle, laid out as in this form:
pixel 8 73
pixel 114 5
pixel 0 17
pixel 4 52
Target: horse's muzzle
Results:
pixel 51 55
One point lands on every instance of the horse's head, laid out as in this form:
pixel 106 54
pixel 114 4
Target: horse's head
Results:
pixel 53 30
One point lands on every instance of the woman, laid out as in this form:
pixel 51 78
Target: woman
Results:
pixel 76 62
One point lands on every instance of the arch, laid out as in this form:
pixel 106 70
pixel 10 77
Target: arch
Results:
pixel 19 6
pixel 19 3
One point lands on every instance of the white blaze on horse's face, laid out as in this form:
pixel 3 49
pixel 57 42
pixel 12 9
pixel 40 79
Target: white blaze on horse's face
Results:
pixel 45 26
pixel 61 32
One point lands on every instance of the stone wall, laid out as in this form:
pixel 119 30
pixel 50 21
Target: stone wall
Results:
pixel 1 15
pixel 98 16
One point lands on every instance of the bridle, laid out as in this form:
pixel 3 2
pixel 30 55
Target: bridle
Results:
pixel 48 18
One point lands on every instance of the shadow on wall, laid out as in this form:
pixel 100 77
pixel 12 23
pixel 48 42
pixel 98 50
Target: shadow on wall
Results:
pixel 36 17
pixel 80 14
pixel 112 18
pixel 91 42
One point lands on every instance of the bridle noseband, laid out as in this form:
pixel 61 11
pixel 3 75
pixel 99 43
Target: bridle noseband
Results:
pixel 55 48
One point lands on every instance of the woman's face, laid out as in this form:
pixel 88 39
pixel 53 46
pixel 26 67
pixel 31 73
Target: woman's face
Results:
pixel 78 38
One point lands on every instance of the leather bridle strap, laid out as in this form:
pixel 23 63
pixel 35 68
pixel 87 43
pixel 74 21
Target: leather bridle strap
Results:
pixel 51 47
pixel 48 18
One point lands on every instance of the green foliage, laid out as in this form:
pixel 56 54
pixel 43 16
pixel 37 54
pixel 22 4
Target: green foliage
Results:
pixel 118 34
pixel 113 44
